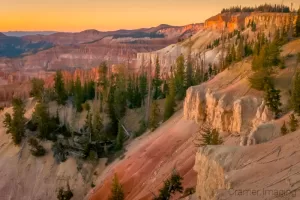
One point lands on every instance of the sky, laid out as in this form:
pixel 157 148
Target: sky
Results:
pixel 78 15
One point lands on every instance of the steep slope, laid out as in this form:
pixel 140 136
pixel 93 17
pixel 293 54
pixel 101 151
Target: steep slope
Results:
pixel 24 176
pixel 225 23
pixel 150 160
pixel 267 165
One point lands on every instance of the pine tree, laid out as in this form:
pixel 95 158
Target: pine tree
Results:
pixel 284 129
pixel 88 125
pixel 293 123
pixel 172 185
pixel 59 87
pixel 111 109
pixel 197 76
pixel 233 53
pixel 179 78
pixel 154 117
pixel 157 81
pixel 103 84
pixel 295 99
pixel 143 87
pixel 15 124
pixel 130 92
pixel 120 137
pixel 297 27
pixel 117 192
pixel 37 88
pixel 209 137
pixel 170 102
pixel 97 127
pixel 240 49
pixel 189 73
pixel 43 120
pixel 272 99
pixel 79 98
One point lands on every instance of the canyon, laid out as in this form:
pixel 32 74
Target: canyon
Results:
pixel 254 155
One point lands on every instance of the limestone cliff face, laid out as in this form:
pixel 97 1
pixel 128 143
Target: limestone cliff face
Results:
pixel 230 21
pixel 274 20
pixel 225 113
pixel 228 172
pixel 212 164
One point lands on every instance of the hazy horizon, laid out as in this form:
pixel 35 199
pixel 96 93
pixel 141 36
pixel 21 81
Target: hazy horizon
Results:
pixel 79 15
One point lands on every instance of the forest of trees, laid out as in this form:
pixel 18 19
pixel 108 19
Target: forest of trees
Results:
pixel 260 8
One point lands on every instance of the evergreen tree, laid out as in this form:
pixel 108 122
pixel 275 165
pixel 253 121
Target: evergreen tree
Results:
pixel 197 76
pixel 154 117
pixel 97 127
pixel 88 125
pixel 117 192
pixel 103 84
pixel 90 90
pixel 120 137
pixel 241 49
pixel 15 124
pixel 179 78
pixel 78 97
pixel 111 109
pixel 43 120
pixel 189 73
pixel 284 129
pixel 143 87
pixel 59 86
pixel 253 26
pixel 209 137
pixel 157 81
pixel 37 88
pixel 233 53
pixel 172 185
pixel 137 94
pixel 297 28
pixel 170 102
pixel 130 92
pixel 272 99
pixel 295 99
pixel 293 123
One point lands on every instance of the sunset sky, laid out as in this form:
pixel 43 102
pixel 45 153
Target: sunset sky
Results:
pixel 78 15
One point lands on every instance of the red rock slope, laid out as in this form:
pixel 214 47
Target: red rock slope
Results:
pixel 150 161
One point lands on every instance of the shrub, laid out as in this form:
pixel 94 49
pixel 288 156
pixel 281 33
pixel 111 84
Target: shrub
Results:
pixel 189 191
pixel 36 149
pixel 64 194
pixel 59 152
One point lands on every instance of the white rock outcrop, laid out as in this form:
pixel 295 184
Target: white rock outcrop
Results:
pixel 227 114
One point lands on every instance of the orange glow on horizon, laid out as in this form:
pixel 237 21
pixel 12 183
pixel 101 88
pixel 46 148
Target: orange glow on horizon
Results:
pixel 78 15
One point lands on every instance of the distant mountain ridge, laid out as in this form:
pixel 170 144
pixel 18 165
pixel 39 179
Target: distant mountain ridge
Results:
pixel 88 48
pixel 90 35
pixel 24 33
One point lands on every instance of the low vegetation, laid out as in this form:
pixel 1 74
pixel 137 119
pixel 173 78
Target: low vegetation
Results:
pixel 117 192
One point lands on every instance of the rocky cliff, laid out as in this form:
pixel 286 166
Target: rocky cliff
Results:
pixel 227 102
pixel 257 162
pixel 267 171
pixel 212 30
